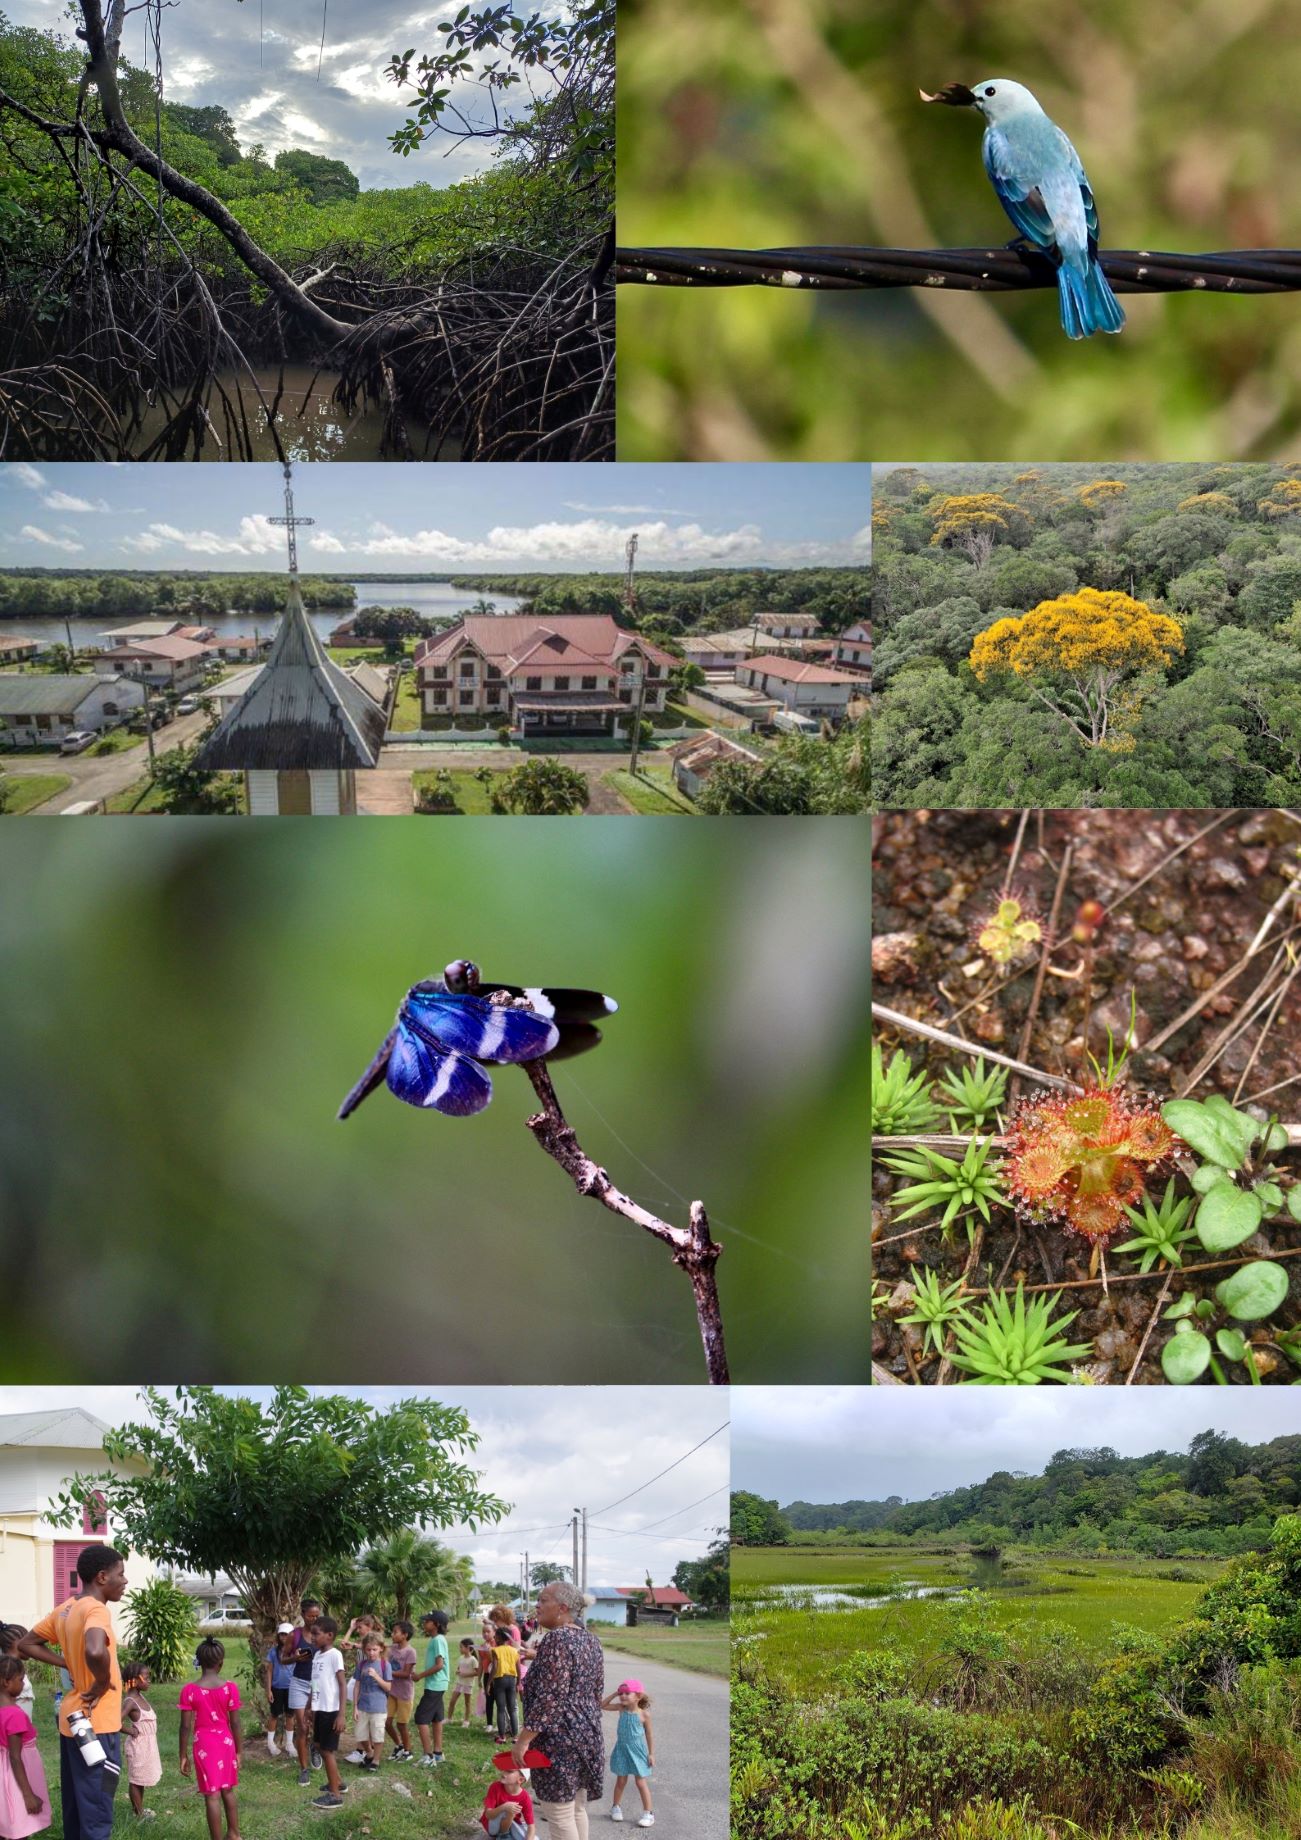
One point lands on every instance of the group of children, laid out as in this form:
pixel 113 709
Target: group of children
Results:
pixel 308 1687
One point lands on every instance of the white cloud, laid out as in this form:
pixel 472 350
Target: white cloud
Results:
pixel 583 543
pixel 66 501
pixel 146 542
pixel 37 535
pixel 24 475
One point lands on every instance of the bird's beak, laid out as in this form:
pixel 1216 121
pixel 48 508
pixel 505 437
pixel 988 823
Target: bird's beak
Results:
pixel 956 95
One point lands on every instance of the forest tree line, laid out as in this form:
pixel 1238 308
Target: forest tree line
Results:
pixel 1057 637
pixel 1221 1495
pixel 693 600
pixel 189 595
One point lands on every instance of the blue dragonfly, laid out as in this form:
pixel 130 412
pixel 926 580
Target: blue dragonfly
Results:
pixel 446 1026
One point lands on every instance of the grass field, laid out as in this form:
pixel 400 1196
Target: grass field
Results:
pixel 118 741
pixel 649 791
pixel 702 1648
pixel 27 790
pixel 801 1644
pixel 471 797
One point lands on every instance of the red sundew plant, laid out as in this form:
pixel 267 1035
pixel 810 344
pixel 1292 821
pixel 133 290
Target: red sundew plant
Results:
pixel 1084 1158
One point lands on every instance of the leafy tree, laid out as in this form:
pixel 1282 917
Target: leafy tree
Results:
pixel 540 787
pixel 408 1568
pixel 1076 652
pixel 186 789
pixel 545 1572
pixel 271 1494
pixel 974 522
pixel 392 626
pixel 756 1522
pixel 325 181
pixel 211 124
pixel 707 1581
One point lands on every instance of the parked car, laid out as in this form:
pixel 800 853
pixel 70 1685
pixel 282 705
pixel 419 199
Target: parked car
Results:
pixel 77 741
pixel 83 808
pixel 187 705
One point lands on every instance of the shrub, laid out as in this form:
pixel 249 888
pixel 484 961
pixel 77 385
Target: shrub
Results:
pixel 162 1628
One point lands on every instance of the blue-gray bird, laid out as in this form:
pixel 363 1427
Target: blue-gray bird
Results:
pixel 1042 187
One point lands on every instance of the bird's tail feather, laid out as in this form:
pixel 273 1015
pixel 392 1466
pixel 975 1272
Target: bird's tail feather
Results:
pixel 1087 302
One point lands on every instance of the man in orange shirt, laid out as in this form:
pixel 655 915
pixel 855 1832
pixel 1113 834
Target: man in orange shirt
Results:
pixel 78 1636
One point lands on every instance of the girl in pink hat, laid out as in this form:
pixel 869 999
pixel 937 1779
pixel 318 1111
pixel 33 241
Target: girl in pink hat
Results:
pixel 634 1747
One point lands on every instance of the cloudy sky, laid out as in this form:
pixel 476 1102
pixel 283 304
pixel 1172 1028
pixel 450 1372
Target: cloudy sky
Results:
pixel 258 59
pixel 419 519
pixel 856 1444
pixel 547 1450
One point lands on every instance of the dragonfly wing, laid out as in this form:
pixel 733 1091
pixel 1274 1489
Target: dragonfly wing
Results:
pixel 421 1073
pixel 557 1003
pixel 484 1031
pixel 575 1038
pixel 374 1076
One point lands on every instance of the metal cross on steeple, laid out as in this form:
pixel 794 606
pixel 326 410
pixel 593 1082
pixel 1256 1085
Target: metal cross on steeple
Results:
pixel 289 520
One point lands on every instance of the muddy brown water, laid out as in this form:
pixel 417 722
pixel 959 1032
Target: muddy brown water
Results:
pixel 311 424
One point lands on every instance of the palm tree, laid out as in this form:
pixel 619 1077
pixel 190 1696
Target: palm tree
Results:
pixel 483 606
pixel 408 1568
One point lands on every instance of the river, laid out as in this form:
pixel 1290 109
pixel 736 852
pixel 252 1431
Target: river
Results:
pixel 436 600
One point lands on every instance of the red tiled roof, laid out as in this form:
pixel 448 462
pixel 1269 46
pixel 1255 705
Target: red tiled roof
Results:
pixel 667 1596
pixel 177 649
pixel 508 639
pixel 786 670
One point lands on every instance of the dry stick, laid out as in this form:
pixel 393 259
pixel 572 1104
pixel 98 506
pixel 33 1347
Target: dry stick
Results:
pixel 1266 1027
pixel 1198 1004
pixel 1035 995
pixel 1138 1277
pixel 694 1250
pixel 1166 860
pixel 1151 1324
pixel 1238 1023
pixel 896 1019
pixel 1015 857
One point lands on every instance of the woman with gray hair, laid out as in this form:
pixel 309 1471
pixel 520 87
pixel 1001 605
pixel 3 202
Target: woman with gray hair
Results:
pixel 562 1714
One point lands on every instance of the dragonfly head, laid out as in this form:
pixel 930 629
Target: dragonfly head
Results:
pixel 462 976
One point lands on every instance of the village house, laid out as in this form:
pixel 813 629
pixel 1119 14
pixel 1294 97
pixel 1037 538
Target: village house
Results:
pixel 39 1452
pixel 143 630
pixel 722 652
pixel 38 711
pixel 853 649
pixel 811 690
pixel 17 650
pixel 562 674
pixel 787 625
pixel 168 663
pixel 695 759
pixel 659 1603
pixel 244 649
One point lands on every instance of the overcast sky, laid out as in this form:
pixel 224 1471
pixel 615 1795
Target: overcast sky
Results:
pixel 423 518
pixel 547 1450
pixel 258 60
pixel 860 1444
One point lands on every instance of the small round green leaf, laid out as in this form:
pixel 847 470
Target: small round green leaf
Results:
pixel 1186 1356
pixel 1253 1290
pixel 1232 1344
pixel 1294 1201
pixel 1182 1306
pixel 1214 1131
pixel 1227 1216
pixel 1205 1176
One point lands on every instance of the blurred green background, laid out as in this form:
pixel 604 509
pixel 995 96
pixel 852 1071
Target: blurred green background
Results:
pixel 751 123
pixel 184 1005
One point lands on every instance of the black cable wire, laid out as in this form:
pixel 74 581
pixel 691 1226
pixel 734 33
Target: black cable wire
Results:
pixel 1130 271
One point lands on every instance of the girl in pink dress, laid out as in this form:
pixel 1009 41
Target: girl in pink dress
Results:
pixel 144 1766
pixel 210 1715
pixel 24 1798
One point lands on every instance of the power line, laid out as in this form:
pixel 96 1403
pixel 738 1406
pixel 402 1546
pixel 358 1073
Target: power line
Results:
pixel 664 1472
pixel 1131 271
pixel 632 1532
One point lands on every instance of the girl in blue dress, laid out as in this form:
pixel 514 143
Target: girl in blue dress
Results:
pixel 634 1747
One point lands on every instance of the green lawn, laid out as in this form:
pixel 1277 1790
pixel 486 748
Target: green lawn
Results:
pixel 803 1643
pixel 701 1647
pixel 116 743
pixel 407 713
pixel 26 790
pixel 471 798
pixel 273 1807
pixel 142 797
pixel 649 791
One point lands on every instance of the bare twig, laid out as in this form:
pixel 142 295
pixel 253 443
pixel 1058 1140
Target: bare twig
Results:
pixel 693 1247
pixel 1151 1324
pixel 896 1019
pixel 1048 939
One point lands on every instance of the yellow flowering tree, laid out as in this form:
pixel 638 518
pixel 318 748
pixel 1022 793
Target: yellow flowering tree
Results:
pixel 1283 501
pixel 973 522
pixel 1075 655
pixel 1210 501
pixel 1102 492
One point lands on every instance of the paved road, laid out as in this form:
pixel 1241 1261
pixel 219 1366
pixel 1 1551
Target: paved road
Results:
pixel 689 1714
pixel 99 776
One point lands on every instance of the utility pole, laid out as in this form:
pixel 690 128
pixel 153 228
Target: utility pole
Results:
pixel 149 726
pixel 636 720
pixel 574 1530
pixel 583 1582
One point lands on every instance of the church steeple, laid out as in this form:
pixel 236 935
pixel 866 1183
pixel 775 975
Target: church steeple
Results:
pixel 303 727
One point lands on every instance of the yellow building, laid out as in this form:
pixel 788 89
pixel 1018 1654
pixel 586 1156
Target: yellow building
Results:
pixel 39 1453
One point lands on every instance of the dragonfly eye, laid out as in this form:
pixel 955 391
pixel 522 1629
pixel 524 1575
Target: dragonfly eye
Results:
pixel 462 975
